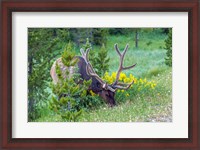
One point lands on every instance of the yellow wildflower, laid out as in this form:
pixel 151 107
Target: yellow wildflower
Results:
pixel 92 93
pixel 114 74
pixel 141 81
pixel 152 86
pixel 122 76
pixel 135 80
pixel 126 80
pixel 131 76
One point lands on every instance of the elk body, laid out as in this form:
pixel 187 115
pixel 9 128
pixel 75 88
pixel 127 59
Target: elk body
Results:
pixel 86 71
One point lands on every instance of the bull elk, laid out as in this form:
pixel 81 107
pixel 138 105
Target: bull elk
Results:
pixel 86 71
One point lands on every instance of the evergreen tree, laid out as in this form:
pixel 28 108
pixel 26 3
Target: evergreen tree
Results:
pixel 102 61
pixel 43 46
pixel 70 98
pixel 168 47
pixel 87 45
pixel 99 36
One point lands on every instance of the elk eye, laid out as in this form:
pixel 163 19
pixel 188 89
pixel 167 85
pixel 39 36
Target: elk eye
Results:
pixel 98 85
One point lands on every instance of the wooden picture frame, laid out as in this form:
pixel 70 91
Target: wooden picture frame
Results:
pixel 9 6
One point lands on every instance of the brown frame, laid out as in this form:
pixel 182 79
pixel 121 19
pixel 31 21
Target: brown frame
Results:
pixel 9 6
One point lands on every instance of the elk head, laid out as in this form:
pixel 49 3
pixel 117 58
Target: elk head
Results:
pixel 98 86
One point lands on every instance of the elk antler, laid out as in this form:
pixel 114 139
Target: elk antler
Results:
pixel 117 84
pixel 90 71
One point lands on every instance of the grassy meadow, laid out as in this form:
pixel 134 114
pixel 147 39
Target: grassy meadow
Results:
pixel 138 104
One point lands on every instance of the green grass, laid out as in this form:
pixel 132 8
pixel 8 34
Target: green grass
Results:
pixel 151 107
pixel 154 106
pixel 146 61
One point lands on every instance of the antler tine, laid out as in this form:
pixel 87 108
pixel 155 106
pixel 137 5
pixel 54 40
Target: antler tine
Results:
pixel 120 64
pixel 117 49
pixel 82 52
pixel 118 86
pixel 85 54
pixel 125 50
pixel 123 84
pixel 129 67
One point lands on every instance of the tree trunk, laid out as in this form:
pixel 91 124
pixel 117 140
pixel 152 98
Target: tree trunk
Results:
pixel 136 38
pixel 30 64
